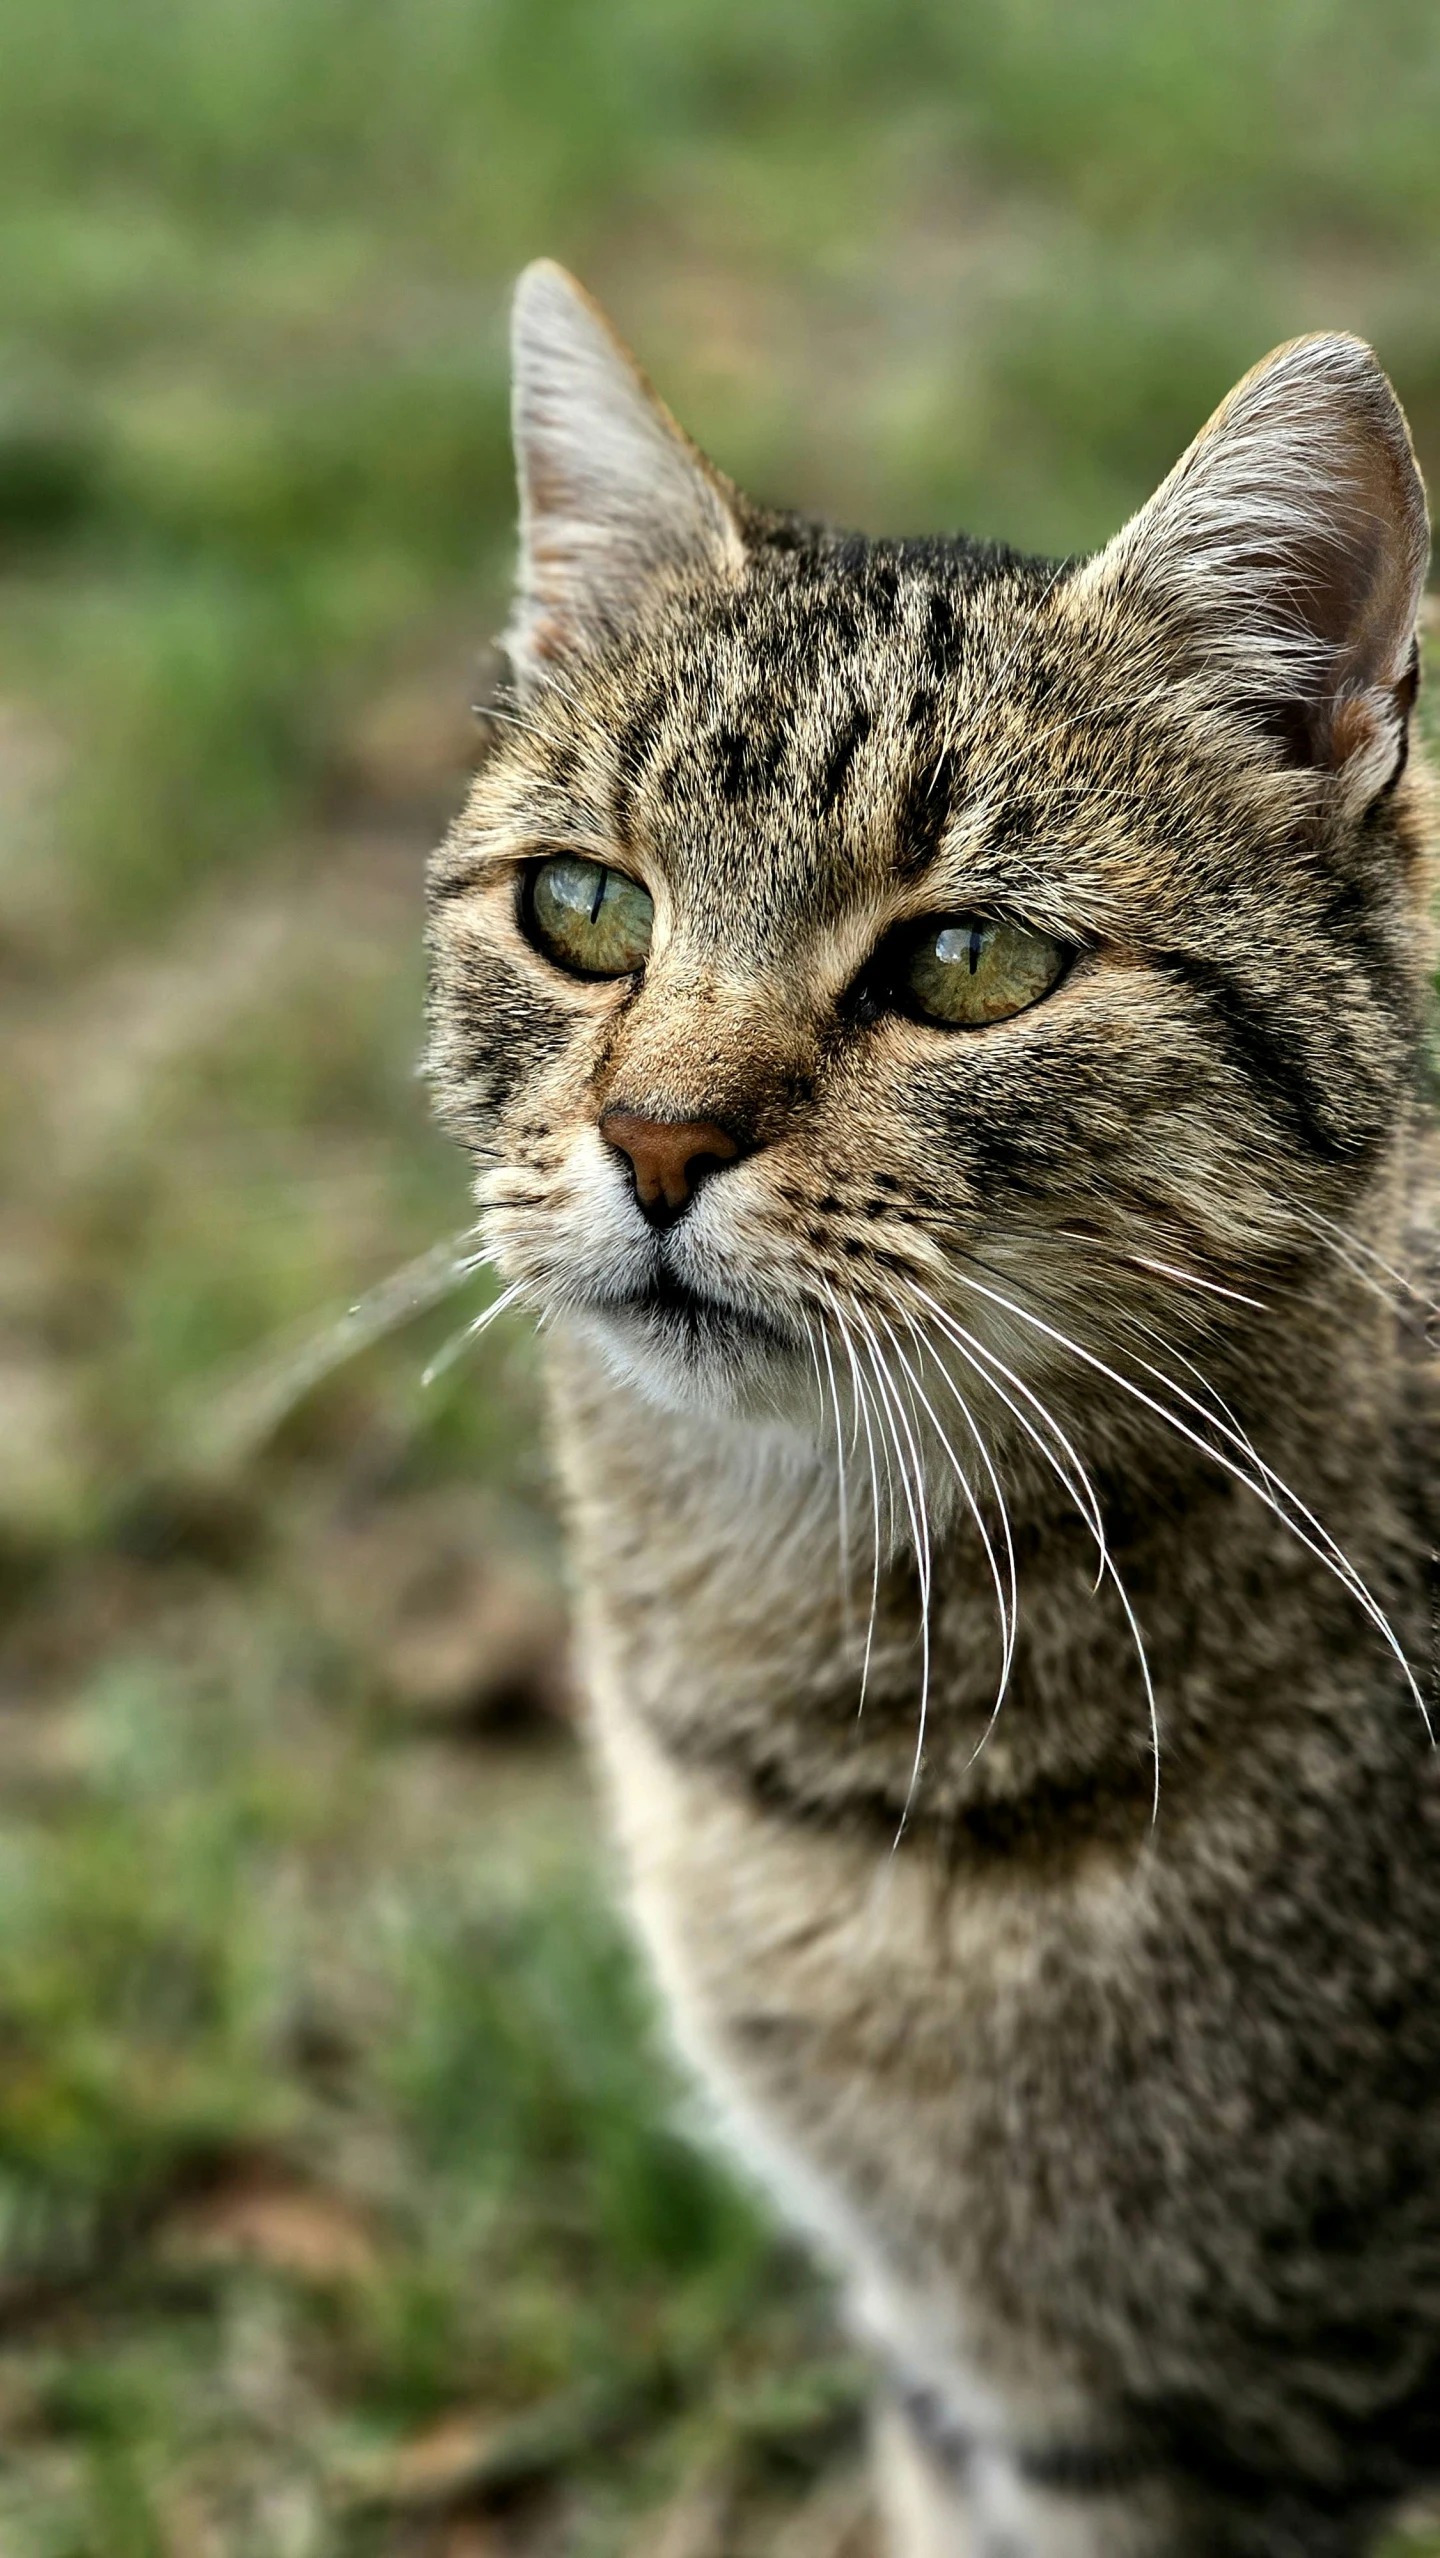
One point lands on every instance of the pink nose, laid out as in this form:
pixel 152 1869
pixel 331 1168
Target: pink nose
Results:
pixel 669 1158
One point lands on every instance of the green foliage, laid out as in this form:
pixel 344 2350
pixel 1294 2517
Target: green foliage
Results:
pixel 230 1938
pixel 329 2099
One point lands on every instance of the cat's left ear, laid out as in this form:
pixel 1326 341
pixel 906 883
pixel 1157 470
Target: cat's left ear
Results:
pixel 1286 552
pixel 613 495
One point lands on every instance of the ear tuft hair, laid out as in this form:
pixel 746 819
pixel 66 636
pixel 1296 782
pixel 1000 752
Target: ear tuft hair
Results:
pixel 613 494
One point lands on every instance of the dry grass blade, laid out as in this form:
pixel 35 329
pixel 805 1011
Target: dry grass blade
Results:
pixel 251 1409
pixel 469 2458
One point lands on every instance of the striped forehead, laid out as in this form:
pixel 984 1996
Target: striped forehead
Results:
pixel 799 749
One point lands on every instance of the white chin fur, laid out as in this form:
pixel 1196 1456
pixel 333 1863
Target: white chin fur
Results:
pixel 685 1369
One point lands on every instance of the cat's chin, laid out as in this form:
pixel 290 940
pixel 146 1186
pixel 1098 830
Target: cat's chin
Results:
pixel 692 1353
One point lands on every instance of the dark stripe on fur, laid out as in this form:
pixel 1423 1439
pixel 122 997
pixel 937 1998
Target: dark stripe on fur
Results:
pixel 844 748
pixel 924 813
pixel 632 751
pixel 1050 1823
pixel 1062 2469
pixel 1269 1062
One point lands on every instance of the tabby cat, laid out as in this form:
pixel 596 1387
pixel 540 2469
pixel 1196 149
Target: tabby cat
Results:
pixel 938 1033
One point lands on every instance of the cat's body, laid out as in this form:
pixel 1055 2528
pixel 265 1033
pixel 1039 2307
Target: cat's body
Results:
pixel 1122 2114
pixel 1120 2135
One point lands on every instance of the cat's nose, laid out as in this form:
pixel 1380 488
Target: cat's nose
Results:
pixel 669 1158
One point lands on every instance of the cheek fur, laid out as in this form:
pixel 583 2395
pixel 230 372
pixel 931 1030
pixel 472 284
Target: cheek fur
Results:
pixel 496 1042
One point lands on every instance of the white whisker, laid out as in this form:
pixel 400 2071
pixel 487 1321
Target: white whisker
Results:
pixel 459 1342
pixel 1192 1279
pixel 920 1526
pixel 1333 1555
pixel 967 1343
pixel 842 1497
pixel 1007 1604
pixel 982 1359
pixel 1347 1247
pixel 1336 1562
pixel 862 1406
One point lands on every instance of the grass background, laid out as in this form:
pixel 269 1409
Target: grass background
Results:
pixel 346 2200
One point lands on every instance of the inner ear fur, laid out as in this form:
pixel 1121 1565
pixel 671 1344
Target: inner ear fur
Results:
pixel 1287 552
pixel 613 495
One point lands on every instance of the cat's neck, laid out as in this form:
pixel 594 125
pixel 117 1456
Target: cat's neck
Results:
pixel 727 1595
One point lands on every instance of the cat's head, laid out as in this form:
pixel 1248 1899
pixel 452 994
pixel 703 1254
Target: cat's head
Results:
pixel 846 934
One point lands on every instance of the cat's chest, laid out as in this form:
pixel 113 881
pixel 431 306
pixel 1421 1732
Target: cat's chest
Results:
pixel 768 1645
pixel 986 2082
pixel 869 2025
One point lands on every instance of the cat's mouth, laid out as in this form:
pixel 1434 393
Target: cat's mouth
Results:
pixel 681 1315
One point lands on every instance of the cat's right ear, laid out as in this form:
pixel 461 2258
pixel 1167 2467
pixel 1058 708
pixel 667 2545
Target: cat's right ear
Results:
pixel 613 495
pixel 1285 556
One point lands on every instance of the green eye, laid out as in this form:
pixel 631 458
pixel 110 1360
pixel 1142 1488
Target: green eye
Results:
pixel 589 919
pixel 968 971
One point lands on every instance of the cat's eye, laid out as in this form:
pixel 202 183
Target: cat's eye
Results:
pixel 586 917
pixel 970 970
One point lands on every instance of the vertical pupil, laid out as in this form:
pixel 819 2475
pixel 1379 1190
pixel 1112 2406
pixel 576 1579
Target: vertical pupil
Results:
pixel 598 900
pixel 976 941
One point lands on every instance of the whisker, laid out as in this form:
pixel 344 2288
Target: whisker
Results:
pixel 1192 1279
pixel 507 719
pixel 459 1342
pixel 1136 1323
pixel 968 1343
pixel 842 1498
pixel 862 1406
pixel 1143 1657
pixel 1009 1608
pixel 890 1509
pixel 920 1525
pixel 976 1352
pixel 1334 1556
pixel 1165 1269
pixel 1344 1243
pixel 1336 1562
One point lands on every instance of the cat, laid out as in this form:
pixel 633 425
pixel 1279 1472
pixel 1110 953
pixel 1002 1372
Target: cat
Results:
pixel 938 1033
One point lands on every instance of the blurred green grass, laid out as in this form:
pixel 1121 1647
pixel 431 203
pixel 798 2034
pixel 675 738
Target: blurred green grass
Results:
pixel 346 2202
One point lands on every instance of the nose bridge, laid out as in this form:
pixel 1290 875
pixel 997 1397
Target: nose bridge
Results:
pixel 702 1047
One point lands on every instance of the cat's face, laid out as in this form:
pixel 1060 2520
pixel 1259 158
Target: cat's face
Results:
pixel 844 937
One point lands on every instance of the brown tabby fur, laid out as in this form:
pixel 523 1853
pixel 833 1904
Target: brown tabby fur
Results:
pixel 1123 2121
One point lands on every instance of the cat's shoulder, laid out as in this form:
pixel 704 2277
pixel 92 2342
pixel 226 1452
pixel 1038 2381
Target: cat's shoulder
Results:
pixel 1420 1234
pixel 1418 1321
